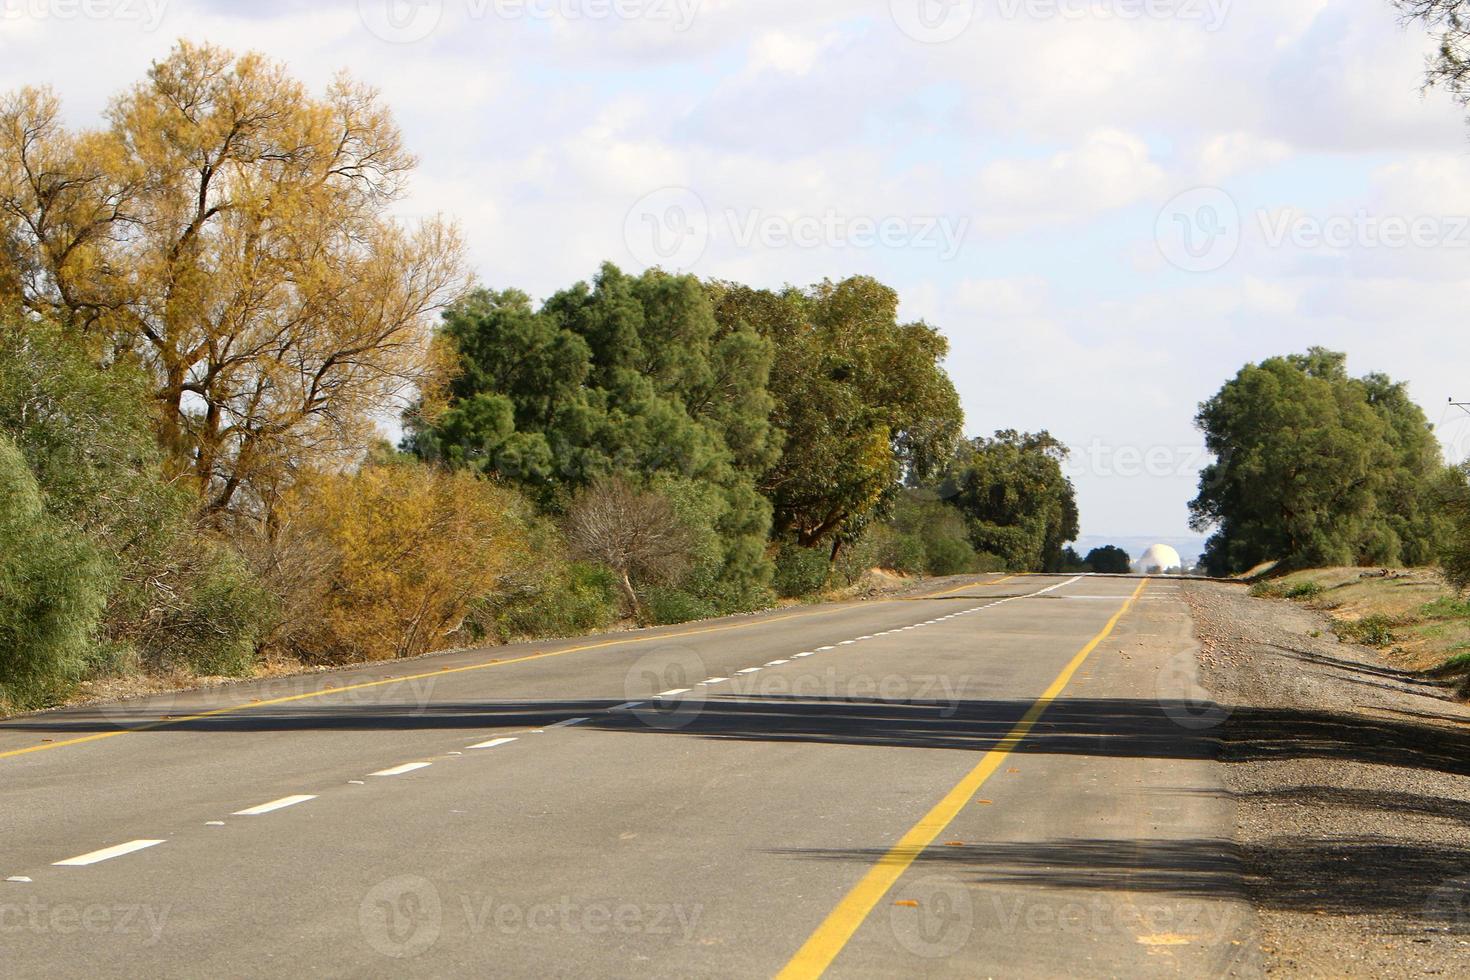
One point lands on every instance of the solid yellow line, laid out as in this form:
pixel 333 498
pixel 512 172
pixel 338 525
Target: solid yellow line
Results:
pixel 325 692
pixel 822 947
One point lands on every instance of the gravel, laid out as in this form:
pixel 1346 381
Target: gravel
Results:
pixel 1352 787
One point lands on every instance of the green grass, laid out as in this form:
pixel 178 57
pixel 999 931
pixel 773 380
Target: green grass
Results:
pixel 1305 590
pixel 1374 631
pixel 1446 607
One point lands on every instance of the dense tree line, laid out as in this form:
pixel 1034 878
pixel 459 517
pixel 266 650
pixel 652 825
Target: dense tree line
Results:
pixel 1314 467
pixel 206 311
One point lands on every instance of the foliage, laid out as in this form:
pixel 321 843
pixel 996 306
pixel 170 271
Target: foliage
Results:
pixel 176 597
pixel 1316 468
pixel 1374 631
pixel 387 561
pixel 667 606
pixel 53 587
pixel 1450 68
pixel 1305 590
pixel 229 233
pixel 630 377
pixel 637 533
pixel 1110 560
pixel 799 571
pixel 570 599
pixel 1454 551
pixel 1017 502
pixel 861 401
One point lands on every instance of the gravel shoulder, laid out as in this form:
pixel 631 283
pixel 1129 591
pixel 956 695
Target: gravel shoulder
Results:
pixel 1352 786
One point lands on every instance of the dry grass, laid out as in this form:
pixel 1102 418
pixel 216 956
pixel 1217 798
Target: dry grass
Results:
pixel 1420 621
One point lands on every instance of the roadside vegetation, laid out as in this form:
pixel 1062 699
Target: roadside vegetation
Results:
pixel 207 312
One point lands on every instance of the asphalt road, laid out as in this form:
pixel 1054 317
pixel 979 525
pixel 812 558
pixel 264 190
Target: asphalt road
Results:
pixel 1011 779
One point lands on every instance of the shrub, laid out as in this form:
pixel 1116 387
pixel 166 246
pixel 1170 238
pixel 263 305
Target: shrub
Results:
pixel 1304 590
pixel 53 587
pixel 1374 631
pixel 1267 590
pixel 572 598
pixel 388 561
pixel 951 556
pixel 799 571
pixel 666 606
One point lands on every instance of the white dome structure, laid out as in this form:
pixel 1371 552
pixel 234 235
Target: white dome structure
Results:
pixel 1159 558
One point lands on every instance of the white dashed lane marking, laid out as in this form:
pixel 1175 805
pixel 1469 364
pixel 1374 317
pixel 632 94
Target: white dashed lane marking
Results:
pixel 280 804
pixel 106 854
pixel 493 743
pixel 400 770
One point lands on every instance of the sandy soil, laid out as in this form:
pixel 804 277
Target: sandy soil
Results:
pixel 1352 783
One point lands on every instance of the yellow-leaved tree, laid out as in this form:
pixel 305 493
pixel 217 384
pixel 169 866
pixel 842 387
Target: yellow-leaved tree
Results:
pixel 231 232
pixel 387 561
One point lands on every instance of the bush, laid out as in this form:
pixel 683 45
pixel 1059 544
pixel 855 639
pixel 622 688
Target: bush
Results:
pixel 1374 631
pixel 951 556
pixel 897 550
pixel 388 561
pixel 571 599
pixel 666 606
pixel 1304 590
pixel 799 571
pixel 53 587
pixel 1267 590
pixel 215 621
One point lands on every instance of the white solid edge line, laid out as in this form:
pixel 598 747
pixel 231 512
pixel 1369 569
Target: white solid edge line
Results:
pixel 568 723
pixel 400 770
pixel 493 743
pixel 117 850
pixel 280 804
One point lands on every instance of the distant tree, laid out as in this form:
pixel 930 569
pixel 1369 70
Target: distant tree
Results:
pixel 1072 561
pixel 862 401
pixel 1109 559
pixel 1016 499
pixel 230 233
pixel 637 533
pixel 1314 467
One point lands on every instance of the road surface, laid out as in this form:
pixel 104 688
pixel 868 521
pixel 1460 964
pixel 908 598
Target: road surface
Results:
pixel 1009 777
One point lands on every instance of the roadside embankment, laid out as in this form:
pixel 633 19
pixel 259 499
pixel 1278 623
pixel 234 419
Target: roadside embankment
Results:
pixel 1350 770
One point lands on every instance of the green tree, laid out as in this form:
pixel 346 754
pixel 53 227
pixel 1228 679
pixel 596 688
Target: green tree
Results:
pixel 1018 503
pixel 628 376
pixel 862 401
pixel 53 588
pixel 1313 467
pixel 1110 560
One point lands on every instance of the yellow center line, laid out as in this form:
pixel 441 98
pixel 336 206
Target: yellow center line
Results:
pixel 971 585
pixel 326 692
pixel 822 947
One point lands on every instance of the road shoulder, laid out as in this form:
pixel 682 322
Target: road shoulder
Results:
pixel 1352 788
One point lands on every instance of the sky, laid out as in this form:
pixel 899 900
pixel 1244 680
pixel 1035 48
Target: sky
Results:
pixel 1107 206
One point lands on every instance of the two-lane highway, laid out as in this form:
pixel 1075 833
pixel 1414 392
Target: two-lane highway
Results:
pixel 1013 777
